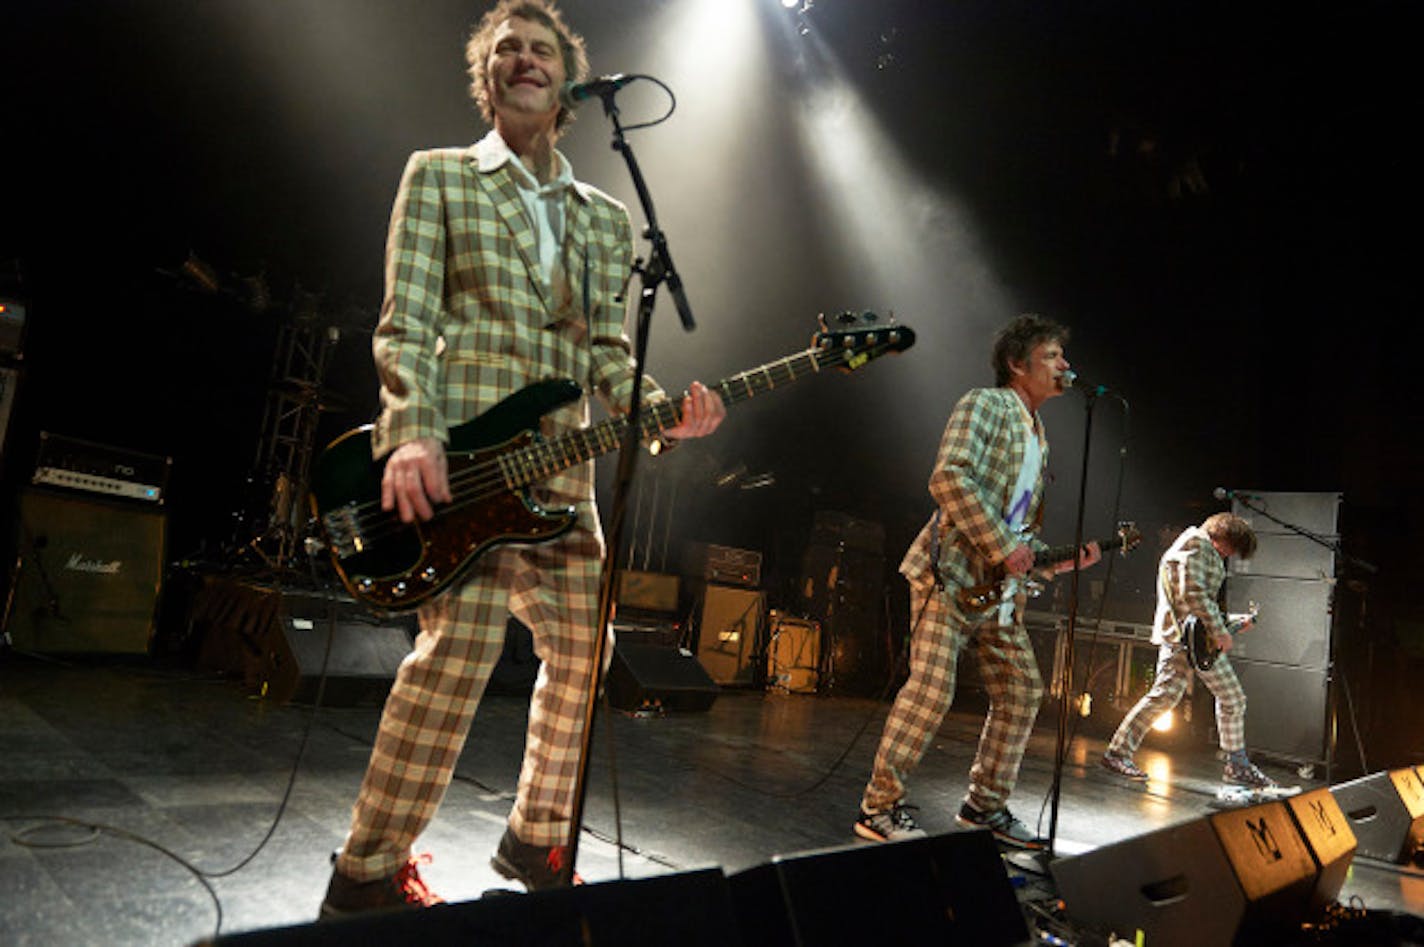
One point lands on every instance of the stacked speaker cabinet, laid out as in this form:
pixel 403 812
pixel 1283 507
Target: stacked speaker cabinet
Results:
pixel 91 569
pixel 1284 661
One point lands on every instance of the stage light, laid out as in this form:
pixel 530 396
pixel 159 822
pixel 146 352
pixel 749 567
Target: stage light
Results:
pixel 1164 722
pixel 788 4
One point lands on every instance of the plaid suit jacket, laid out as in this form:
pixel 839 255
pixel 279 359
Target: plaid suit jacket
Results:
pixel 1188 583
pixel 980 455
pixel 468 318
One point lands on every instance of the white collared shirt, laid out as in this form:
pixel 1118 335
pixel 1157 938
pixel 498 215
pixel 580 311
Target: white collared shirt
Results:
pixel 544 203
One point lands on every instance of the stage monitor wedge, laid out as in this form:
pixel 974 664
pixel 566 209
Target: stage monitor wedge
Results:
pixel 690 909
pixel 1385 810
pixel 1242 876
pixel 941 889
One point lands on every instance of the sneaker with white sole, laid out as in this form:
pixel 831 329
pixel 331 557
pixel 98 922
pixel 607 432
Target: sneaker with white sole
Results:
pixel 892 825
pixel 1123 766
pixel 1246 773
pixel 1007 829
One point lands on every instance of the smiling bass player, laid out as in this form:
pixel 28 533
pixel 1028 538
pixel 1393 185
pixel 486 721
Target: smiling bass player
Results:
pixel 502 270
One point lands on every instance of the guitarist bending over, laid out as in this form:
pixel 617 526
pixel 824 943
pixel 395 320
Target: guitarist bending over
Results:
pixel 987 485
pixel 502 270
pixel 1188 582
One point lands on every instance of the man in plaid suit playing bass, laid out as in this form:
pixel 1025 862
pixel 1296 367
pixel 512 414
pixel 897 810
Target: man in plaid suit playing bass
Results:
pixel 987 484
pixel 502 270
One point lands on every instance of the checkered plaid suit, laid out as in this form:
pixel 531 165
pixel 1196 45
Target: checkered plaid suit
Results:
pixel 980 455
pixel 1188 582
pixel 468 319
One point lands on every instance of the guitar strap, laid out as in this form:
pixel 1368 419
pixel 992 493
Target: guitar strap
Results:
pixel 934 551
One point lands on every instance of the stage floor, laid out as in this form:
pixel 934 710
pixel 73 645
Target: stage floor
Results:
pixel 184 774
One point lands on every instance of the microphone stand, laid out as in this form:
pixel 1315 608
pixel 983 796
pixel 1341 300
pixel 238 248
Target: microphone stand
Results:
pixel 656 271
pixel 1334 546
pixel 1065 678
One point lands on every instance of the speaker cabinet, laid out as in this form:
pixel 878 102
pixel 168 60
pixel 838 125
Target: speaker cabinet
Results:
pixel 91 572
pixel 943 889
pixel 691 909
pixel 647 592
pixel 1294 624
pixel 277 641
pixel 728 633
pixel 652 678
pixel 1243 876
pixel 1385 810
pixel 794 655
pixel 1288 707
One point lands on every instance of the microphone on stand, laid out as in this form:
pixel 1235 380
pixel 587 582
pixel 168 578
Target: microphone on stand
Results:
pixel 1070 380
pixel 574 94
pixel 1221 493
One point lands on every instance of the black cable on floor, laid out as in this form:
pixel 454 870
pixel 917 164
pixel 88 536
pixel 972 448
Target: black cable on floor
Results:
pixel 205 876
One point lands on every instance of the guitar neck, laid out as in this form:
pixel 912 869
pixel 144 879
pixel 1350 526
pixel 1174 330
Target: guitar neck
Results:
pixel 1056 554
pixel 544 458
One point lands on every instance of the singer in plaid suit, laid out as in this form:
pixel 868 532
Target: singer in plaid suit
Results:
pixel 1188 582
pixel 501 271
pixel 987 485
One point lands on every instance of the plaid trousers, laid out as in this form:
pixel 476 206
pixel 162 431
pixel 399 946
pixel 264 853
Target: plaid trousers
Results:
pixel 1010 673
pixel 552 588
pixel 1170 682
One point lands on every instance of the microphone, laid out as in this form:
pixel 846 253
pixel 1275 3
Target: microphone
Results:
pixel 1221 493
pixel 1070 380
pixel 574 94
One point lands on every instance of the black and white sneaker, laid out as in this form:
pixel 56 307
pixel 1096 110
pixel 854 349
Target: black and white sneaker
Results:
pixel 1007 829
pixel 1245 773
pixel 891 826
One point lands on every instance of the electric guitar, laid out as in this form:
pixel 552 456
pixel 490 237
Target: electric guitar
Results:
pixel 494 460
pixel 1202 649
pixel 977 599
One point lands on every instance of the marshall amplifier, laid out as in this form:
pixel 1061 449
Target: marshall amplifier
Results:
pixel 90 574
pixel 72 464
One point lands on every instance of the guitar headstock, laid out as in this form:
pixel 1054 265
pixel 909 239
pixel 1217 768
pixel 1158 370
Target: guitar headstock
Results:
pixel 1128 535
pixel 858 337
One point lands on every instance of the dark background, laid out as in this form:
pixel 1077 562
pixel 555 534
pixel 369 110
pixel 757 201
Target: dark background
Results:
pixel 1219 200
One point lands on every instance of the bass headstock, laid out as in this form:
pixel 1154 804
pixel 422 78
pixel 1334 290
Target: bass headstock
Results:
pixel 1128 536
pixel 858 337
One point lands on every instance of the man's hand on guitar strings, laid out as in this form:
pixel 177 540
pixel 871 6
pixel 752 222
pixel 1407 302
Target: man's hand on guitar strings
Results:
pixel 702 412
pixel 1090 554
pixel 416 477
pixel 1019 561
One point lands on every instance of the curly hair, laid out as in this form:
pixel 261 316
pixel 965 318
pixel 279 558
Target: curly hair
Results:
pixel 478 47
pixel 1015 342
pixel 1234 531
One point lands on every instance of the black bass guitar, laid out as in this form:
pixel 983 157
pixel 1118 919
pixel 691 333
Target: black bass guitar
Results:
pixel 977 599
pixel 493 461
pixel 1202 649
